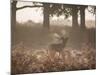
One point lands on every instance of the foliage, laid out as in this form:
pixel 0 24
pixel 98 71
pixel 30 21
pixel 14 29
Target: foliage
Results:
pixel 26 60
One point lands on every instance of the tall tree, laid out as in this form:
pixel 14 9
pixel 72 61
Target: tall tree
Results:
pixel 91 9
pixel 46 21
pixel 13 18
pixel 74 16
pixel 82 16
pixel 13 12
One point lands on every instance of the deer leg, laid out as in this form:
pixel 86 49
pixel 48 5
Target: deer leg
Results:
pixel 60 56
pixel 63 56
pixel 52 55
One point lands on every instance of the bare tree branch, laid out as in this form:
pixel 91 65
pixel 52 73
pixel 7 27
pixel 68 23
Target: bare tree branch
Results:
pixel 92 11
pixel 28 7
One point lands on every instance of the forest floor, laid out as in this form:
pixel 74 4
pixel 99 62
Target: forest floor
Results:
pixel 30 50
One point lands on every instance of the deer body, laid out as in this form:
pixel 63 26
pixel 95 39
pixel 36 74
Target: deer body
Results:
pixel 58 47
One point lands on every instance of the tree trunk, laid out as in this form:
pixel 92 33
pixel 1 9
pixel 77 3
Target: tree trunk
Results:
pixel 82 17
pixel 13 19
pixel 74 17
pixel 46 16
